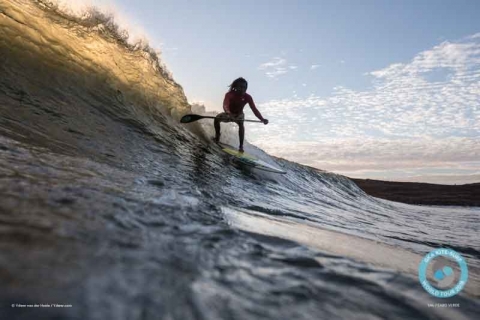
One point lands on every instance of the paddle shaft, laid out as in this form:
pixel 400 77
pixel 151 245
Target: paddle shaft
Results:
pixel 234 120
pixel 194 117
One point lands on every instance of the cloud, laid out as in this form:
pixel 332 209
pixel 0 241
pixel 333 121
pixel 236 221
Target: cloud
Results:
pixel 425 110
pixel 474 36
pixel 354 157
pixel 404 101
pixel 455 58
pixel 275 67
pixel 314 66
pixel 275 62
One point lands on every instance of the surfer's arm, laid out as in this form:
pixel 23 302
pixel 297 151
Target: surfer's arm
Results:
pixel 226 103
pixel 254 108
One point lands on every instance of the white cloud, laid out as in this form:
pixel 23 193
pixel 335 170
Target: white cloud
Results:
pixel 403 101
pixel 474 36
pixel 275 62
pixel 354 154
pixel 275 67
pixel 314 66
pixel 276 72
pixel 424 110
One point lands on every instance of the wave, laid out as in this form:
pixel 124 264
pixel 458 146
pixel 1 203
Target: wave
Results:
pixel 89 48
pixel 107 201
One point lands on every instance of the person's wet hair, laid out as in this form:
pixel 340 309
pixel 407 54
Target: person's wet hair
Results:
pixel 238 81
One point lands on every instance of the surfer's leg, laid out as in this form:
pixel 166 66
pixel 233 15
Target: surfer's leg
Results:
pixel 241 130
pixel 221 117
pixel 216 124
pixel 241 135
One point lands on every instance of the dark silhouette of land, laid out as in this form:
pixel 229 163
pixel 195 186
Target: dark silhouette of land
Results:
pixel 422 193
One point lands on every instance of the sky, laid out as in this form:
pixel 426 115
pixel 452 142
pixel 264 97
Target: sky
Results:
pixel 384 90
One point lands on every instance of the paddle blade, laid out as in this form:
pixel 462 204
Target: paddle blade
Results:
pixel 190 118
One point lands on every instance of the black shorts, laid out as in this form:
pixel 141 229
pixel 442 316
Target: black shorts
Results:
pixel 225 117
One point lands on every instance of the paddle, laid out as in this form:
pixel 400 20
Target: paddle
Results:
pixel 194 117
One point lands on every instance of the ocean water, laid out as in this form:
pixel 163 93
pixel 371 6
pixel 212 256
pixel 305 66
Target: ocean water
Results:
pixel 111 208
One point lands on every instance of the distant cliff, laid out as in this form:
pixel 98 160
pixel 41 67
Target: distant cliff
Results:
pixel 423 193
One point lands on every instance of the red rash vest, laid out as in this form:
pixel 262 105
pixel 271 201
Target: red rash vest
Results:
pixel 234 103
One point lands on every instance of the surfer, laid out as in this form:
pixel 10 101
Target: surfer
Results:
pixel 233 103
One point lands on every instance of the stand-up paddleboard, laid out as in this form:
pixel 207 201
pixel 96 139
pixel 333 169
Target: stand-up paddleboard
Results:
pixel 248 159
